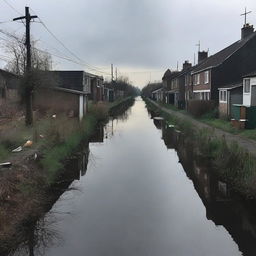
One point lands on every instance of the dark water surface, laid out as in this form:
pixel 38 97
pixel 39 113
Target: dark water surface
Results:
pixel 136 198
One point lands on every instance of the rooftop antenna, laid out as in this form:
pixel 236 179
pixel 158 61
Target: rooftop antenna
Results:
pixel 199 46
pixel 177 66
pixel 245 15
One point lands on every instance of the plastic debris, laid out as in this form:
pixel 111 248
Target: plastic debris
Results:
pixel 29 143
pixel 158 118
pixel 171 126
pixel 54 116
pixel 5 165
pixel 18 149
pixel 35 156
pixel 41 136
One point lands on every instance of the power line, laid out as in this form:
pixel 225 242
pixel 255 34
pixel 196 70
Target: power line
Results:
pixel 12 7
pixel 89 66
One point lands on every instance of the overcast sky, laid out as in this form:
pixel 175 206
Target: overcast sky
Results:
pixel 142 38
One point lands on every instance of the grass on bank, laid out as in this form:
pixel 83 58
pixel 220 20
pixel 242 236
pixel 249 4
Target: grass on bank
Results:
pixel 221 124
pixel 54 156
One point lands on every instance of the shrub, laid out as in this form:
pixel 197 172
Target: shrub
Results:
pixel 198 108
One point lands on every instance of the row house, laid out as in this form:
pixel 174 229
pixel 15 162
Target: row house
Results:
pixel 226 67
pixel 174 84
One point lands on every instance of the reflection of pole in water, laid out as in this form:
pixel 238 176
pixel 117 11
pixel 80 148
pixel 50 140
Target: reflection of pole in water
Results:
pixel 112 127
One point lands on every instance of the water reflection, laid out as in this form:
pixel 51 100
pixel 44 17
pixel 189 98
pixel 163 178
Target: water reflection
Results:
pixel 143 203
pixel 223 206
pixel 40 233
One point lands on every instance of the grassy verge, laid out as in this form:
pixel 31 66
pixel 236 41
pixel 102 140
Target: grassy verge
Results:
pixel 55 156
pixel 234 164
pixel 217 123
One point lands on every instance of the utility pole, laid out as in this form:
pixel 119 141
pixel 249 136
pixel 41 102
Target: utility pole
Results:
pixel 28 86
pixel 116 74
pixel 199 46
pixel 112 73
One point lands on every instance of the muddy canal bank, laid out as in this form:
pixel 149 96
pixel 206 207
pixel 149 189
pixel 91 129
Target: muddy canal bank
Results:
pixel 26 195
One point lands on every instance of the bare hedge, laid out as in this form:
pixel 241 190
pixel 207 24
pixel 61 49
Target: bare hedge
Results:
pixel 199 108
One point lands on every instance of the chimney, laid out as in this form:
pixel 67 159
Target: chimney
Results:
pixel 247 30
pixel 202 56
pixel 186 65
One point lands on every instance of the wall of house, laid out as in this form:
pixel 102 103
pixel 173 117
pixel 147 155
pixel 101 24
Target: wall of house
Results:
pixel 253 95
pixel 56 101
pixel 249 99
pixel 69 79
pixel 202 85
pixel 236 96
pixel 223 110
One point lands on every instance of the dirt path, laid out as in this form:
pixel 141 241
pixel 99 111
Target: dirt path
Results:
pixel 245 143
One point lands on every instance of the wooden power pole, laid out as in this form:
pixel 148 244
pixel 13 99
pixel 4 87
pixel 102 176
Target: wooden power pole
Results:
pixel 28 86
pixel 112 73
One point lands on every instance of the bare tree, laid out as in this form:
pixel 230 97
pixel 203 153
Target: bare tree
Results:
pixel 40 61
pixel 16 49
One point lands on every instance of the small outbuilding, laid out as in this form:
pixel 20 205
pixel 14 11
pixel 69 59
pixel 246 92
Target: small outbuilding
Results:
pixel 61 100
pixel 229 95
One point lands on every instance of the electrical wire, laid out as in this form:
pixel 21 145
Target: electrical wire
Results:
pixel 91 67
pixel 13 8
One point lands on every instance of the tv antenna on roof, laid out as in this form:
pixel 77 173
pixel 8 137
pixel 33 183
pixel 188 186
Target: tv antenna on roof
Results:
pixel 199 46
pixel 245 16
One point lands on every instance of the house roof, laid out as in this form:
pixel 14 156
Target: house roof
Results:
pixel 250 74
pixel 170 74
pixel 218 58
pixel 167 73
pixel 231 86
pixel 157 90
pixel 69 90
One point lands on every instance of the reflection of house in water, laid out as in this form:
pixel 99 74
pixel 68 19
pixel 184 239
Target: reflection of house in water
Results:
pixel 223 206
pixel 169 137
pixel 98 135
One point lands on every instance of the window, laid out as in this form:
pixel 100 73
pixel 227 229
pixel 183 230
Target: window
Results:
pixel 223 96
pixel 197 79
pixel 206 77
pixel 247 86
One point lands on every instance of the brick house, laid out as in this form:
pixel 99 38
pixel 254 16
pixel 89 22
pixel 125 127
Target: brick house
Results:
pixel 58 100
pixel 81 81
pixel 225 67
pixel 168 87
pixel 174 85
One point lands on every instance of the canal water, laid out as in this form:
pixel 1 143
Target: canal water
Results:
pixel 139 195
